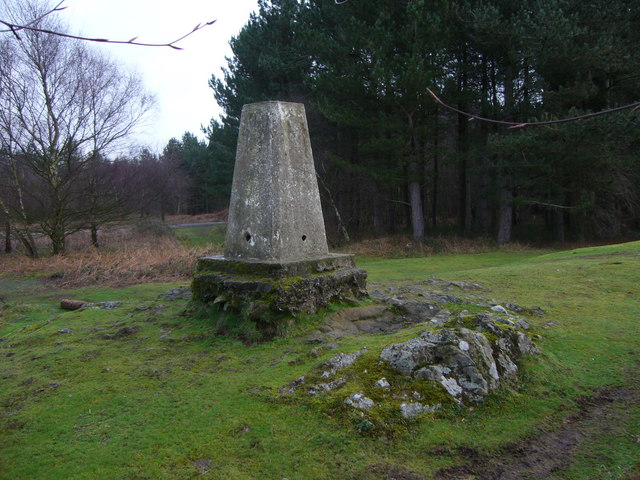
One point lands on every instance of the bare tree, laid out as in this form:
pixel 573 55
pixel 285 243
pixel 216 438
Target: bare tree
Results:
pixel 62 105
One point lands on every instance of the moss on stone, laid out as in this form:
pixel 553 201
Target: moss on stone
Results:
pixel 385 418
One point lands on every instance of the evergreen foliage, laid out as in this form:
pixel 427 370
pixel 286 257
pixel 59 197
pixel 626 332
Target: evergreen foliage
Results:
pixel 388 157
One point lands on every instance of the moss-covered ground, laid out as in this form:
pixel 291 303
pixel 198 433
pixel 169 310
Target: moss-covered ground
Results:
pixel 148 390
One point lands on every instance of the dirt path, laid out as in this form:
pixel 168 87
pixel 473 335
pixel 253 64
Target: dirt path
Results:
pixel 540 456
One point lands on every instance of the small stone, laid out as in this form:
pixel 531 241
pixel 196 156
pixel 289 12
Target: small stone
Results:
pixel 341 361
pixel 292 387
pixel 315 338
pixel 523 324
pixel 537 311
pixel 493 371
pixel 464 346
pixel 442 317
pixel 382 383
pixel 66 330
pixel 326 387
pixel 451 386
pixel 179 293
pixel 412 409
pixel 499 309
pixel 358 400
pixel 515 308
pixel 203 466
pixel 526 346
pixel 109 305
pixel 465 285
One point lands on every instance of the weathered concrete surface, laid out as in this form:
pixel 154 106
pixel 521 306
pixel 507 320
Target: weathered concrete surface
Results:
pixel 275 211
pixel 260 296
pixel 276 260
pixel 275 268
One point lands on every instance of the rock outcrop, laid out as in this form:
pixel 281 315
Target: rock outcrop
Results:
pixel 458 358
pixel 468 361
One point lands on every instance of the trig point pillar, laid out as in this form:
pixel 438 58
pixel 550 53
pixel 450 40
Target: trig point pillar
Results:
pixel 275 211
pixel 276 258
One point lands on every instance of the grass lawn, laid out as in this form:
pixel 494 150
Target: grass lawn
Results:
pixel 148 391
pixel 201 236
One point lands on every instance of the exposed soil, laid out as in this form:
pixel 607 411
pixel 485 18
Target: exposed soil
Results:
pixel 541 455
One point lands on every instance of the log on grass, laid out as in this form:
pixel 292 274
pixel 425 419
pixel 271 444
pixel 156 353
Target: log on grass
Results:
pixel 68 304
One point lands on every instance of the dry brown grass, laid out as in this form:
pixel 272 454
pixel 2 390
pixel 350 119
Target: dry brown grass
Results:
pixel 150 253
pixel 126 257
pixel 220 216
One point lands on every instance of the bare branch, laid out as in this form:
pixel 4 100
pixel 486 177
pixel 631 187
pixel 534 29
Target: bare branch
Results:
pixel 15 28
pixel 552 205
pixel 513 125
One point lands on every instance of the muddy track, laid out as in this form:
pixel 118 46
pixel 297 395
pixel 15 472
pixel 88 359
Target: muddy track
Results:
pixel 541 455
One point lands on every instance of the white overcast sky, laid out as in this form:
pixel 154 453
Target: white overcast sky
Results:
pixel 178 78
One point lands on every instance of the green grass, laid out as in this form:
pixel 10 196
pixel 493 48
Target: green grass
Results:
pixel 416 269
pixel 145 390
pixel 201 236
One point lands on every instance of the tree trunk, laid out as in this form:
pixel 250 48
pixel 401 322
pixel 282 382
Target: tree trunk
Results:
pixel 483 207
pixel 378 228
pixel 8 248
pixel 505 225
pixel 415 200
pixel 464 208
pixel 436 166
pixel 506 217
pixel 482 217
pixel 57 237
pixel 94 236
pixel 341 226
pixel 28 244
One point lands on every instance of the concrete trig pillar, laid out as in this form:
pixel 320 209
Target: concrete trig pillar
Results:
pixel 275 211
pixel 276 257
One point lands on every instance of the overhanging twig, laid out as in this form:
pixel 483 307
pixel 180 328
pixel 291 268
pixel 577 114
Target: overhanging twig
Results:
pixel 15 28
pixel 512 125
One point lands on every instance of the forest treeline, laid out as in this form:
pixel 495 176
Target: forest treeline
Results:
pixel 391 160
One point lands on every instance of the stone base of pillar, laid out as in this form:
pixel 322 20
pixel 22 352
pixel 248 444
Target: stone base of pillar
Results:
pixel 262 289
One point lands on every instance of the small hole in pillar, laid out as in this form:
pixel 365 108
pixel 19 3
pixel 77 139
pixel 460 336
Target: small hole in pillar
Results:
pixel 247 237
pixel 304 237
